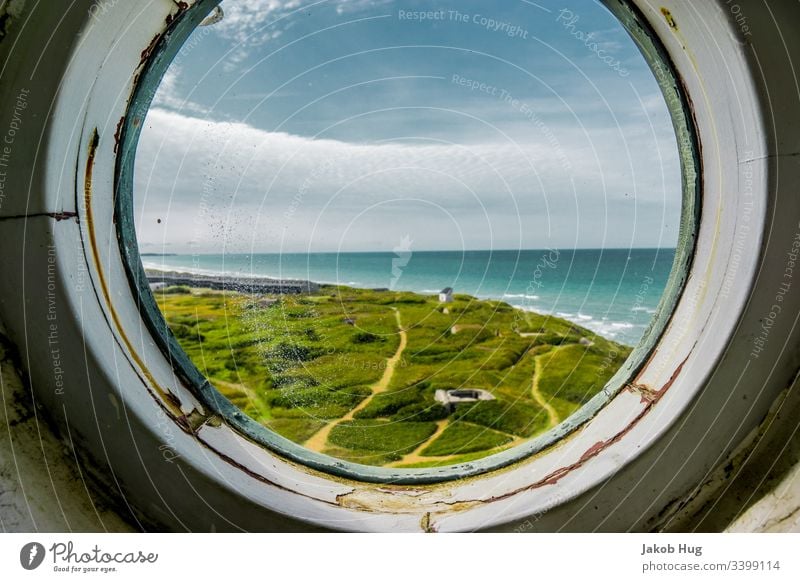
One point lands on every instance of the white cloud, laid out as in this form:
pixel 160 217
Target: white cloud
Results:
pixel 169 96
pixel 346 6
pixel 215 184
pixel 253 23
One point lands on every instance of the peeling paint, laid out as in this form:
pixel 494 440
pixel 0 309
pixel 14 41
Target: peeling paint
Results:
pixel 216 16
pixel 118 133
pixel 669 18
pixel 59 216
pixel 401 500
pixel 648 394
pixel 657 394
pixel 182 7
pixel 213 421
pixel 87 183
pixel 191 422
pixel 645 392
pixel 148 51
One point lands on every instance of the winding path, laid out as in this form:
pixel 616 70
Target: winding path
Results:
pixel 552 414
pixel 553 419
pixel 320 439
pixel 415 456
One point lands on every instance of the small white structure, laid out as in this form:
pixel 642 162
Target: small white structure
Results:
pixel 449 398
pixel 446 295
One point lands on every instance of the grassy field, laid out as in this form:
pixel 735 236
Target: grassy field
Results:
pixel 352 373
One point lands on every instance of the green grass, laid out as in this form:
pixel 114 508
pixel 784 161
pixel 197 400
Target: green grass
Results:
pixel 454 460
pixel 381 436
pixel 575 373
pixel 296 429
pixel 298 361
pixel 362 456
pixel 318 401
pixel 518 418
pixel 412 403
pixel 462 437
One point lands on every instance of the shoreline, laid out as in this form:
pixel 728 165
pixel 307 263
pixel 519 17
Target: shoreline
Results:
pixel 262 284
pixel 222 282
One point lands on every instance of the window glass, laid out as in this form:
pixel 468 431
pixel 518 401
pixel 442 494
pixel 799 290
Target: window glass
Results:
pixel 408 234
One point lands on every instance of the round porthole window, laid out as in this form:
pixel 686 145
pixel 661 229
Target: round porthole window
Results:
pixel 409 245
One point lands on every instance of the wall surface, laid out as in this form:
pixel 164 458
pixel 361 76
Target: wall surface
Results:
pixel 45 485
pixel 778 511
pixel 42 485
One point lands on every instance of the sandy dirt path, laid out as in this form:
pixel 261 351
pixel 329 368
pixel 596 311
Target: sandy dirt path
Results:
pixel 552 415
pixel 320 439
pixel 415 456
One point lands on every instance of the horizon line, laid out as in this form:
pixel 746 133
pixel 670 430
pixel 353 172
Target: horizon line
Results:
pixel 416 251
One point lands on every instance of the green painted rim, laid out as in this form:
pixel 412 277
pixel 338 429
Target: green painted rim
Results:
pixel 164 52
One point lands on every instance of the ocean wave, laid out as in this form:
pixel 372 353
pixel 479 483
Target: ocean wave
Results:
pixel 519 296
pixel 613 330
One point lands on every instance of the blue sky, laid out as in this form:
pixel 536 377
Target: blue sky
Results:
pixel 351 125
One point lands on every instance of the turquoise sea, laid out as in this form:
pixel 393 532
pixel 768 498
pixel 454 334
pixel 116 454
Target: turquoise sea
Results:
pixel 613 292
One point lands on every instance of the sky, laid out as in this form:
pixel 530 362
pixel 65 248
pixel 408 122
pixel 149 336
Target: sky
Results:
pixel 352 125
